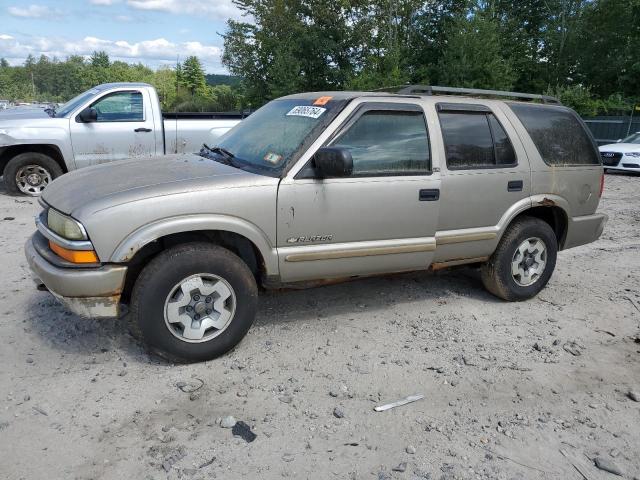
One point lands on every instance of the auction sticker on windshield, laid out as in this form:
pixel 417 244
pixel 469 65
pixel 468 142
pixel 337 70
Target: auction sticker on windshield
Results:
pixel 306 111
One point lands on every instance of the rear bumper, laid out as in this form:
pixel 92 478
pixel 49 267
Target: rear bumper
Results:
pixel 584 229
pixel 89 292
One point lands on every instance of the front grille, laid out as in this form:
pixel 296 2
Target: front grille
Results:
pixel 630 165
pixel 610 159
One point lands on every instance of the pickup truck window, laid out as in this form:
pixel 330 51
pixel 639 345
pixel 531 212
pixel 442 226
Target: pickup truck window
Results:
pixel 120 107
pixel 278 133
pixel 475 139
pixel 388 143
pixel 560 137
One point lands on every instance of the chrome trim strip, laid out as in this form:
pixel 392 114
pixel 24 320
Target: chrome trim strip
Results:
pixel 63 242
pixel 464 237
pixel 360 252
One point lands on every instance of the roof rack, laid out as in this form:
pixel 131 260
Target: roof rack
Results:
pixel 476 92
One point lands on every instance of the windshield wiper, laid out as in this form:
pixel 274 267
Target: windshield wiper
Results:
pixel 223 152
pixel 51 111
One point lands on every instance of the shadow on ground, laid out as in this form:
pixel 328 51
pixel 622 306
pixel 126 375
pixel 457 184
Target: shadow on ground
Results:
pixel 65 331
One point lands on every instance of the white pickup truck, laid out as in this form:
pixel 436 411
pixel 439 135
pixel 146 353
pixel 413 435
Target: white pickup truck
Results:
pixel 110 122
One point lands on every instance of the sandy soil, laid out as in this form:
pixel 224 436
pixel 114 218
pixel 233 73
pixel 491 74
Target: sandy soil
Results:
pixel 523 390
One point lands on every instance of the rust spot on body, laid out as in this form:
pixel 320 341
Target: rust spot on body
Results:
pixel 547 202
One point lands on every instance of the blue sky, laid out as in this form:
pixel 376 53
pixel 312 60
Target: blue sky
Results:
pixel 153 32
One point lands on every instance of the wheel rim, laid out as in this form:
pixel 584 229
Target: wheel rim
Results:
pixel 529 261
pixel 199 308
pixel 32 179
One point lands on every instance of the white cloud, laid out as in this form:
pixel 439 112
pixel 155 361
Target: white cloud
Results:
pixel 33 11
pixel 154 52
pixel 217 9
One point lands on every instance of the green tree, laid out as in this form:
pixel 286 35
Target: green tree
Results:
pixel 292 45
pixel 607 48
pixel 100 59
pixel 473 56
pixel 192 76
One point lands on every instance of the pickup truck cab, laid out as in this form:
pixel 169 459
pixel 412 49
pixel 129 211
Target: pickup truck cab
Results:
pixel 110 122
pixel 319 186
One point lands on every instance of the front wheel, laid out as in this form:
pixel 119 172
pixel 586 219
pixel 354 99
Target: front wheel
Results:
pixel 29 173
pixel 193 302
pixel 523 263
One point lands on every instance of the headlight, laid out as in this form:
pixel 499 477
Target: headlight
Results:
pixel 65 226
pixel 633 154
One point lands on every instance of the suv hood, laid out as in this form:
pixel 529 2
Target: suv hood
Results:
pixel 88 190
pixel 620 147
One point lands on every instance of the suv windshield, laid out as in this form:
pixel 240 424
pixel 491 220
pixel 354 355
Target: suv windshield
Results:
pixel 278 133
pixel 635 138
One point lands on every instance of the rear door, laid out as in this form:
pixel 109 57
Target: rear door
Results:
pixel 124 129
pixel 382 218
pixel 485 174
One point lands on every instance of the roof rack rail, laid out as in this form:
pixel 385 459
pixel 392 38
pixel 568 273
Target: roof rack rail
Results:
pixel 435 90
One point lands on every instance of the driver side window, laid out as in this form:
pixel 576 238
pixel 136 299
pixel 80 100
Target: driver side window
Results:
pixel 120 107
pixel 388 142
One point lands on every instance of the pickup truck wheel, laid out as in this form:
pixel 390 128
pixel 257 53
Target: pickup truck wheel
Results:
pixel 29 173
pixel 193 302
pixel 523 263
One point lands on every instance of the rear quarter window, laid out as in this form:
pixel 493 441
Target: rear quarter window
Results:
pixel 558 134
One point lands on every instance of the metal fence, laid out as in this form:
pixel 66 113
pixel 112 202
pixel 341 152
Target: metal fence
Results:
pixel 608 129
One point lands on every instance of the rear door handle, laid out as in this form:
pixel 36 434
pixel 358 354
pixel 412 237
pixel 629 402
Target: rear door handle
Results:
pixel 142 129
pixel 515 186
pixel 429 195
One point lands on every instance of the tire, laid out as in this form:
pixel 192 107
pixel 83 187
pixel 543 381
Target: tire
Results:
pixel 43 168
pixel 177 270
pixel 496 273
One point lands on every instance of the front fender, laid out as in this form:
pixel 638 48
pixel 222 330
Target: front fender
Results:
pixel 190 223
pixel 27 138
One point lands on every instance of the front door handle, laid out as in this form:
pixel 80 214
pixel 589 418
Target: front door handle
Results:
pixel 515 186
pixel 429 194
pixel 142 129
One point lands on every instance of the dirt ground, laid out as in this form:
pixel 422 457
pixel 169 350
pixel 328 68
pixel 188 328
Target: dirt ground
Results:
pixel 512 390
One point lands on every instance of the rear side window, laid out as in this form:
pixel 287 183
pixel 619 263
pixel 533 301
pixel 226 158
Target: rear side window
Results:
pixel 559 136
pixel 388 142
pixel 475 139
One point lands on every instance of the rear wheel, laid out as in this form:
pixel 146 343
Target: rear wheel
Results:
pixel 29 173
pixel 523 263
pixel 193 302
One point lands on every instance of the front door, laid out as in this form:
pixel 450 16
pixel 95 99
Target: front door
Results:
pixel 124 129
pixel 382 218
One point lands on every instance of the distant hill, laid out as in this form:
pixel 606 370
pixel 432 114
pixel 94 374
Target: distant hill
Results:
pixel 217 79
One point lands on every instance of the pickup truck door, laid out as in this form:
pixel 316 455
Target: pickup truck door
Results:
pixel 380 219
pixel 124 129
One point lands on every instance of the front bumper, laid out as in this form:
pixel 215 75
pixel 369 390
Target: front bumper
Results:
pixel 626 166
pixel 89 292
pixel 584 229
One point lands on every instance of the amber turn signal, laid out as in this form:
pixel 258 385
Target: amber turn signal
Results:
pixel 74 256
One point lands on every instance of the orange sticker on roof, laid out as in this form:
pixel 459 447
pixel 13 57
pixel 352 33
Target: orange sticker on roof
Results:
pixel 322 100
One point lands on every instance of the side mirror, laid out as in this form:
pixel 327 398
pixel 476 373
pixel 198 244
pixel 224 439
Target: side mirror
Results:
pixel 333 162
pixel 88 115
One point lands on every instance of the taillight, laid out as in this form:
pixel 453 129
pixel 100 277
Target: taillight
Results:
pixel 601 185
